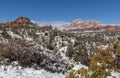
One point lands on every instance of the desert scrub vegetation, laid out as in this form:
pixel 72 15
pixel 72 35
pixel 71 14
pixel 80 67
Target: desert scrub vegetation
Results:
pixel 116 62
pixel 97 50
pixel 101 64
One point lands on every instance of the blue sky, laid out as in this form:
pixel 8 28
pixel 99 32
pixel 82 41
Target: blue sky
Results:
pixel 105 11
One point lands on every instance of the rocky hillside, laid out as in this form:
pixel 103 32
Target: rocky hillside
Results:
pixel 55 51
pixel 20 21
pixel 90 25
pixel 24 21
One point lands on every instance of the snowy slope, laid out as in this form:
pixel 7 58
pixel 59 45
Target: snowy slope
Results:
pixel 19 72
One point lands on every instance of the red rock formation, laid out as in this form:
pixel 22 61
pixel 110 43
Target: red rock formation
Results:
pixel 113 28
pixel 20 21
pixel 23 20
pixel 15 23
pixel 46 27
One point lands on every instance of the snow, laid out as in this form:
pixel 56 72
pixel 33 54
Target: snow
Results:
pixel 98 64
pixel 114 74
pixel 58 41
pixel 13 34
pixel 79 66
pixel 29 39
pixel 63 51
pixel 103 47
pixel 19 72
pixel 73 41
pixel 3 40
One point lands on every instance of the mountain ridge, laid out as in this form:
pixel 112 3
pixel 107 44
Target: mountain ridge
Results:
pixel 77 25
pixel 89 25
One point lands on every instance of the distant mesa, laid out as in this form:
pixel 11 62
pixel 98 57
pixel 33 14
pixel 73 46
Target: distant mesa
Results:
pixel 84 24
pixel 90 25
pixel 113 28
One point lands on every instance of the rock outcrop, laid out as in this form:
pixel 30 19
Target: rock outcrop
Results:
pixel 20 21
pixel 24 21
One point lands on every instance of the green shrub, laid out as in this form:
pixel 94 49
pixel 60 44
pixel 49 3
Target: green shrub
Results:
pixel 70 51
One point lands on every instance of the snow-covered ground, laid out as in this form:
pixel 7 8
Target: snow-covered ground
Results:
pixel 63 51
pixel 79 66
pixel 19 72
pixel 13 34
pixel 114 74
